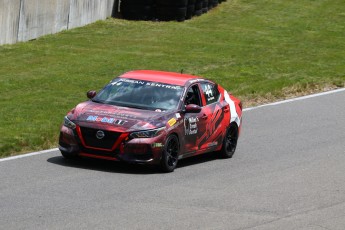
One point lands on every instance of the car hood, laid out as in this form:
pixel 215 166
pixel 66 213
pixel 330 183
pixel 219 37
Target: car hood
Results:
pixel 124 119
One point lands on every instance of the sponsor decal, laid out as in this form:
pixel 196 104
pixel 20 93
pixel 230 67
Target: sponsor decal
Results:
pixel 147 83
pixel 191 125
pixel 177 124
pixel 195 80
pixel 209 93
pixel 111 113
pixel 172 121
pixel 130 81
pixel 119 122
pixel 178 115
pixel 103 112
pixel 125 115
pixel 157 145
pixel 212 144
pixel 116 83
pixel 107 120
pixel 154 84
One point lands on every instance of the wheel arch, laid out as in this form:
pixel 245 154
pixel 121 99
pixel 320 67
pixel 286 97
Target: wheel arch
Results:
pixel 234 123
pixel 178 138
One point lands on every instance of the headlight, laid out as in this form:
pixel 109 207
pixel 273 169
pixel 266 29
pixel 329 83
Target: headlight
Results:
pixel 68 123
pixel 147 133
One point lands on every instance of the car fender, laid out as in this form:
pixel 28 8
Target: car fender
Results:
pixel 234 115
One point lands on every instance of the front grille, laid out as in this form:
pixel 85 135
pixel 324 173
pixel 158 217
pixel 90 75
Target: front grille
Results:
pixel 99 152
pixel 107 142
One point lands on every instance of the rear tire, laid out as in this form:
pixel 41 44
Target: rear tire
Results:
pixel 229 141
pixel 170 154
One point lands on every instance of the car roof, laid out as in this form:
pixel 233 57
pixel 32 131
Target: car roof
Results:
pixel 160 76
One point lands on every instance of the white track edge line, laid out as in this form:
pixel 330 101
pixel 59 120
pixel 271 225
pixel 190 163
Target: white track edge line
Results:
pixel 247 109
pixel 296 99
pixel 28 154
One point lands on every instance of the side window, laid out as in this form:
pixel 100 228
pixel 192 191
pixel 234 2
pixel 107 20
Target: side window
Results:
pixel 211 92
pixel 193 96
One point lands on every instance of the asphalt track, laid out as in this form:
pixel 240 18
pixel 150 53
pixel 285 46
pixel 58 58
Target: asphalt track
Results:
pixel 287 173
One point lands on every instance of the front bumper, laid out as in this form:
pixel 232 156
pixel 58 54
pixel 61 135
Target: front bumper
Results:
pixel 138 150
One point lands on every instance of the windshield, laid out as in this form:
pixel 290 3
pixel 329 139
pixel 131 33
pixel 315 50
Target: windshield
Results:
pixel 140 94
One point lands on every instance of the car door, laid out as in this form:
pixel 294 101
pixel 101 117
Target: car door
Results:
pixel 194 123
pixel 213 115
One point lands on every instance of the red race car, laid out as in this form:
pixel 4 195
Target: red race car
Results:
pixel 153 117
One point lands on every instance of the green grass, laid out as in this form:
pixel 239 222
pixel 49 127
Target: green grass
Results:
pixel 260 50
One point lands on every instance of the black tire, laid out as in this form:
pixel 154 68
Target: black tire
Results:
pixel 190 11
pixel 198 12
pixel 213 3
pixel 170 154
pixel 67 155
pixel 204 6
pixel 171 13
pixel 171 3
pixel 134 12
pixel 198 5
pixel 229 141
pixel 210 4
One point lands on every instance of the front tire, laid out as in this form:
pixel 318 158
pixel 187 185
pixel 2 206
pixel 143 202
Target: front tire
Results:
pixel 69 156
pixel 170 154
pixel 230 141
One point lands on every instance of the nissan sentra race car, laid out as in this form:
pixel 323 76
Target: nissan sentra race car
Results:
pixel 153 117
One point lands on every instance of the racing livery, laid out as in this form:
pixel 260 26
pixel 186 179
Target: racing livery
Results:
pixel 153 117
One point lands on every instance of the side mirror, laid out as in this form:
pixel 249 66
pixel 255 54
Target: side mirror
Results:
pixel 91 94
pixel 192 108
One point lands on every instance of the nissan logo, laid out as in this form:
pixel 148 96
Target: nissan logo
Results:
pixel 100 134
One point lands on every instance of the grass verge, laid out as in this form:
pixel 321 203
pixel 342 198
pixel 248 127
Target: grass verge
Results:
pixel 260 50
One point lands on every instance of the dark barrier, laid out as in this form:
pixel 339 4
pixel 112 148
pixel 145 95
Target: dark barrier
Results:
pixel 23 20
pixel 165 10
